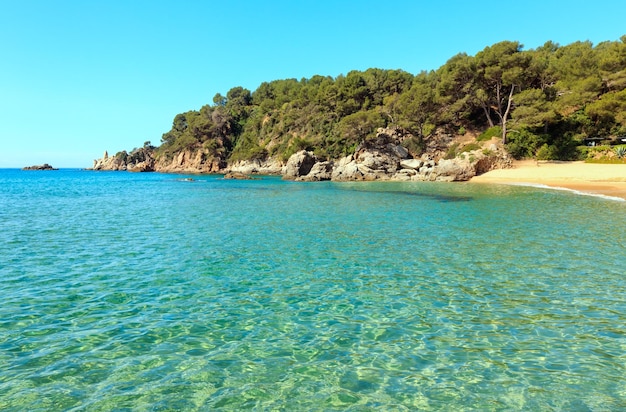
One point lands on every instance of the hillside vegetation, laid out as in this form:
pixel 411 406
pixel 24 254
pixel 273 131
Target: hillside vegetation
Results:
pixel 542 102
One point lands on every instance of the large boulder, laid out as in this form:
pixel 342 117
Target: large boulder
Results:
pixel 452 170
pixel 269 166
pixel 414 164
pixel 374 159
pixel 299 164
pixel 320 171
pixel 469 164
pixel 349 169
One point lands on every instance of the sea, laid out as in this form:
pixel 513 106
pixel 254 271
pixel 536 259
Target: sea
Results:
pixel 164 292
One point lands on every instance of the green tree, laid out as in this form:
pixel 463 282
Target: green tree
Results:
pixel 608 113
pixel 418 105
pixel 579 81
pixel 358 127
pixel 612 64
pixel 237 101
pixel 219 100
pixel 533 110
pixel 353 94
pixel 543 101
pixel 456 89
pixel 501 71
pixel 542 68
pixel 179 125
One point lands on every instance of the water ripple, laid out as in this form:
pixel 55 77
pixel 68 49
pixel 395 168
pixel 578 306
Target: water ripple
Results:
pixel 143 292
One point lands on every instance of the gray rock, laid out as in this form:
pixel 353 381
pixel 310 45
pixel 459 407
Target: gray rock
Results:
pixel 236 176
pixel 399 151
pixel 320 171
pixel 269 166
pixel 411 164
pixel 299 164
pixel 451 170
pixel 351 171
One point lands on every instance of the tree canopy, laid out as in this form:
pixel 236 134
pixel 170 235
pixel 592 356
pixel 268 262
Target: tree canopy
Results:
pixel 553 95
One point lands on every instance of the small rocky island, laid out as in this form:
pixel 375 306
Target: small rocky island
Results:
pixel 44 166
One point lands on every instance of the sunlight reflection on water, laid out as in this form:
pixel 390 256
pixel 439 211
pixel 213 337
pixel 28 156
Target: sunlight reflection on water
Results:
pixel 146 292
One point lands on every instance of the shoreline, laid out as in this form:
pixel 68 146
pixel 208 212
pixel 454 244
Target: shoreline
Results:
pixel 605 180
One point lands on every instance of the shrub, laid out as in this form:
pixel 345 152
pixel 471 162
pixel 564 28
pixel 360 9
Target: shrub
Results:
pixel 295 146
pixel 524 144
pixel 247 147
pixel 605 154
pixel 451 152
pixel 495 131
pixel 606 160
pixel 582 152
pixel 547 152
pixel 123 155
pixel 597 152
pixel 469 147
pixel 415 146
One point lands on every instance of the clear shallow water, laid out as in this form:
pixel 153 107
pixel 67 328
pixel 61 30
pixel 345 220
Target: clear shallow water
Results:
pixel 144 292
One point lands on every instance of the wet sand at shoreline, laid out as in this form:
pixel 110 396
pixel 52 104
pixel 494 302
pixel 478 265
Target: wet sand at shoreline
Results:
pixel 598 179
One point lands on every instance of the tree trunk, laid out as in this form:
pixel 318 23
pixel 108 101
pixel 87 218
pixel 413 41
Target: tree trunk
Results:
pixel 506 114
pixel 486 109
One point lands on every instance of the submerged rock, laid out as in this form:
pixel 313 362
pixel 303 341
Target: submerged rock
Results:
pixel 237 176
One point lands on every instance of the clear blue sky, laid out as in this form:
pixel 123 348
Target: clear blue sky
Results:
pixel 80 77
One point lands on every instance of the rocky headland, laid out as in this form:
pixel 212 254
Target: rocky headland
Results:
pixel 381 158
pixel 139 160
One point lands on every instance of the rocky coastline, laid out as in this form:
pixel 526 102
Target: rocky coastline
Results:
pixel 386 159
pixel 383 158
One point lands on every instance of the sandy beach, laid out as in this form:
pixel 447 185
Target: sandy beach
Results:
pixel 598 179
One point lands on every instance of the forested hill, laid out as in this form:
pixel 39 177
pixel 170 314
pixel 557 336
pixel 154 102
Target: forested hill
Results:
pixel 546 99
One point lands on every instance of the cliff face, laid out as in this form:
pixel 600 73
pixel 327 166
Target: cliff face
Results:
pixel 384 158
pixel 186 161
pixel 189 161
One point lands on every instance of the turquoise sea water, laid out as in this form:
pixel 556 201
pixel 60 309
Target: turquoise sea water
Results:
pixel 125 291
